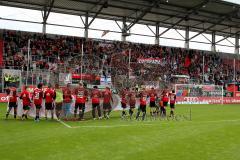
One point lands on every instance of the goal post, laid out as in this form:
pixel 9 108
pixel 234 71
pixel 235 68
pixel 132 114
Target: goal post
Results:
pixel 199 94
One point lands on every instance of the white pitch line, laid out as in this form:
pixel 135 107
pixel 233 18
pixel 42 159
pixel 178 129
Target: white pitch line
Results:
pixel 133 125
pixel 65 124
pixel 112 126
pixel 230 120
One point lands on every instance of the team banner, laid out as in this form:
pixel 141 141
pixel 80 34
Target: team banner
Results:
pixel 65 78
pixel 90 78
pixel 106 80
pixel 3 98
pixel 208 100
pixel 150 61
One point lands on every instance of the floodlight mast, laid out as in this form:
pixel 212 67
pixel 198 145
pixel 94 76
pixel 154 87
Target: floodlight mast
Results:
pixel 28 59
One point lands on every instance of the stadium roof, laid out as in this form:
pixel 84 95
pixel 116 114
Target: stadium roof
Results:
pixel 203 16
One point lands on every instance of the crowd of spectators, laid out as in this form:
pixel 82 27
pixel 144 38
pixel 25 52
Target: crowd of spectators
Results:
pixel 52 52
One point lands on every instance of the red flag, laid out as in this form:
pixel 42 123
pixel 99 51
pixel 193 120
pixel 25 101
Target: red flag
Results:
pixel 105 32
pixel 187 62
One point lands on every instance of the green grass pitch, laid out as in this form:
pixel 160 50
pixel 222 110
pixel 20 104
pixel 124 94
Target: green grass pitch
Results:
pixel 213 134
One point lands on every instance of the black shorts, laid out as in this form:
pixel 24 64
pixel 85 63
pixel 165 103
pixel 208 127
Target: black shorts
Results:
pixel 48 106
pixel 124 105
pixel 142 108
pixel 58 106
pixel 80 106
pixel 172 105
pixel 26 108
pixel 107 106
pixel 132 105
pixel 165 104
pixel 152 104
pixel 38 106
pixel 94 105
pixel 12 105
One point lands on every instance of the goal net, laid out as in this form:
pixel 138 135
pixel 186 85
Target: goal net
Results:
pixel 199 94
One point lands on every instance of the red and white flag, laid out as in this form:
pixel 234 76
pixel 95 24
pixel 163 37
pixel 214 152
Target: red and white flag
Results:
pixel 105 32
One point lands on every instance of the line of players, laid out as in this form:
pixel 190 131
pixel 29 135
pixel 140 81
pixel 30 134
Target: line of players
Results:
pixel 61 100
pixel 157 102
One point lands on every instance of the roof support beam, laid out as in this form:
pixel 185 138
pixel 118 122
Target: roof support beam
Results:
pixel 151 29
pixel 86 26
pixel 204 30
pixel 157 34
pixel 236 44
pixel 99 11
pixel 191 11
pixel 124 29
pixel 35 5
pixel 118 25
pixel 187 38
pixel 213 25
pixel 144 12
pixel 179 21
pixel 226 37
pixel 213 43
pixel 45 14
pixel 179 33
pixel 206 38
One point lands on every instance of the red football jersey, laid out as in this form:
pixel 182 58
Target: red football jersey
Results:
pixel 143 98
pixel 67 95
pixel 165 98
pixel 81 95
pixel 152 96
pixel 107 96
pixel 95 96
pixel 172 98
pixel 124 97
pixel 12 94
pixel 25 96
pixel 37 96
pixel 132 98
pixel 49 95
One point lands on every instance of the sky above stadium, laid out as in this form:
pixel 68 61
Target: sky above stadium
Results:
pixel 99 25
pixel 233 1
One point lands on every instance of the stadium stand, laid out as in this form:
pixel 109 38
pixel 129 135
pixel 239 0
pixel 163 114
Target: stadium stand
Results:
pixel 52 52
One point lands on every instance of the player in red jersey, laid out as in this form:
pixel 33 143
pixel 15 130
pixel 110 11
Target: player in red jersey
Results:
pixel 37 97
pixel 143 104
pixel 153 96
pixel 165 100
pixel 81 98
pixel 67 100
pixel 49 96
pixel 124 101
pixel 107 99
pixel 12 101
pixel 25 97
pixel 95 96
pixel 132 102
pixel 172 97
